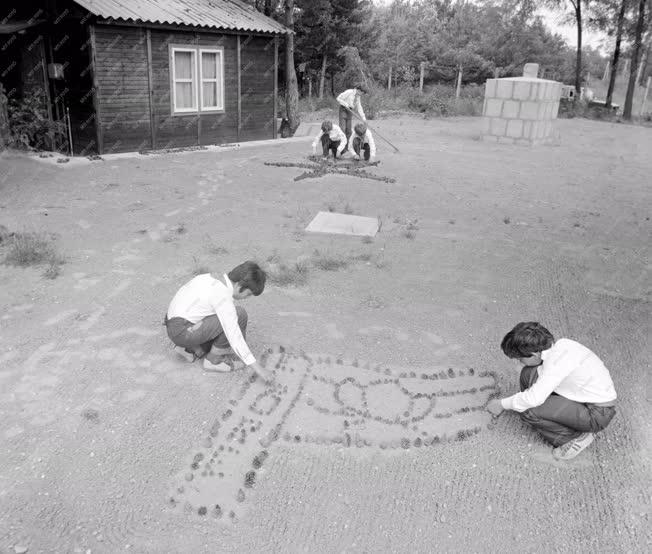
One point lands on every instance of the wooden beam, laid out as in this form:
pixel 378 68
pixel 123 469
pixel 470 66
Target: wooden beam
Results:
pixel 238 58
pixel 96 91
pixel 150 84
pixel 274 121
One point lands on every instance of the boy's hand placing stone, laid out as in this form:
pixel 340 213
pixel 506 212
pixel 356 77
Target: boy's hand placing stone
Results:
pixel 263 373
pixel 495 407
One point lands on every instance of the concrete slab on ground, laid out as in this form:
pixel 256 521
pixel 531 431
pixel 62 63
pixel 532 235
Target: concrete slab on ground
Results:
pixel 343 224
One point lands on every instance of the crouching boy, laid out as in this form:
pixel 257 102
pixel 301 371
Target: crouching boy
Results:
pixel 332 139
pixel 567 394
pixel 361 143
pixel 203 319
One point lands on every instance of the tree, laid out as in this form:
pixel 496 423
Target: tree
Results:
pixel 633 68
pixel 291 87
pixel 577 13
pixel 323 28
pixel 616 54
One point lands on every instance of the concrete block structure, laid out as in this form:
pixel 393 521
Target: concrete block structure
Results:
pixel 520 110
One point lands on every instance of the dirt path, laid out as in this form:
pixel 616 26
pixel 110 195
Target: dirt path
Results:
pixel 101 424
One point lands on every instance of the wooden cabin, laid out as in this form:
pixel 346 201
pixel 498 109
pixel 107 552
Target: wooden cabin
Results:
pixel 135 75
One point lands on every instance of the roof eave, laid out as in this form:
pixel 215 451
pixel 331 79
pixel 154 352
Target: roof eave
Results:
pixel 159 24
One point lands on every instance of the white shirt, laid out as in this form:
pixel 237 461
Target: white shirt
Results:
pixel 334 134
pixel 349 99
pixel 572 371
pixel 367 138
pixel 204 296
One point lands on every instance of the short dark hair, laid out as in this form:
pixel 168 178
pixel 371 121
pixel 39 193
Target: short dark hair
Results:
pixel 327 126
pixel 360 128
pixel 525 339
pixel 249 276
pixel 361 88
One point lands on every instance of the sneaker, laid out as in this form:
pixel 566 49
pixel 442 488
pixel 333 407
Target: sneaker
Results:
pixel 186 354
pixel 573 447
pixel 220 367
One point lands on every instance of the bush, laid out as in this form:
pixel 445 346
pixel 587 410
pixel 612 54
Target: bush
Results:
pixel 436 101
pixel 29 125
pixel 32 249
pixel 440 101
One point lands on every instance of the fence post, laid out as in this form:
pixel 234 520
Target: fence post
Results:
pixel 310 88
pixel 607 71
pixel 422 66
pixel 389 79
pixel 647 89
pixel 459 83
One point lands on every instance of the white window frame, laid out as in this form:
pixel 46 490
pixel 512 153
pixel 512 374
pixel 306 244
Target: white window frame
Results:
pixel 174 80
pixel 219 78
pixel 197 81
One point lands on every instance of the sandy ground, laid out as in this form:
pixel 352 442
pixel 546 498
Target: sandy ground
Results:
pixel 101 423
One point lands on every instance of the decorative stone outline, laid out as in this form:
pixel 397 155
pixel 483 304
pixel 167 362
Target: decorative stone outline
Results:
pixel 320 400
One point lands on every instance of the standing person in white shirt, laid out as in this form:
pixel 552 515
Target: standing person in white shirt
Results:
pixel 349 102
pixel 361 143
pixel 332 139
pixel 203 320
pixel 567 393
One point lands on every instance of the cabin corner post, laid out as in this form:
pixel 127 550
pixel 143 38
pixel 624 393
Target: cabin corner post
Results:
pixel 96 90
pixel 238 62
pixel 274 115
pixel 150 85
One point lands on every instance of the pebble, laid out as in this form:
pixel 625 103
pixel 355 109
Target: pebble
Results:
pixel 19 549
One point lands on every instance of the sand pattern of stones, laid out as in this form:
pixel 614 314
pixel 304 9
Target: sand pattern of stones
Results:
pixel 321 400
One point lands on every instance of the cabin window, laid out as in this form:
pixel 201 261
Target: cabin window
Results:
pixel 197 79
pixel 184 76
pixel 212 80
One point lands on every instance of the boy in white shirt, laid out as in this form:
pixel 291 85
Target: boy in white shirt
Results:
pixel 203 319
pixel 567 393
pixel 332 139
pixel 349 102
pixel 361 143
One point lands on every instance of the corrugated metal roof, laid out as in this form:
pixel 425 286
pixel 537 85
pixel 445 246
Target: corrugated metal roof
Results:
pixel 220 14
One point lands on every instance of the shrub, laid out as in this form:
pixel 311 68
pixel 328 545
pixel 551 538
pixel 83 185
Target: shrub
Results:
pixel 32 249
pixel 29 125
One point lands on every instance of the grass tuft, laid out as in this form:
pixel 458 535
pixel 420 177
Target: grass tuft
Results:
pixel 328 262
pixel 33 249
pixel 283 274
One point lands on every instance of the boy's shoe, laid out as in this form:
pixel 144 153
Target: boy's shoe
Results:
pixel 573 447
pixel 186 354
pixel 220 367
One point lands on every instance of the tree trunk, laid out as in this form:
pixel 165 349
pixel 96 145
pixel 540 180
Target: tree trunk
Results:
pixel 578 58
pixel 614 62
pixel 629 97
pixel 645 60
pixel 291 87
pixel 5 134
pixel 421 72
pixel 322 77
pixel 389 79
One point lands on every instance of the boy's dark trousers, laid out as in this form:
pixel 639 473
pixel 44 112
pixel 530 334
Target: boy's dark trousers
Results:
pixel 203 334
pixel 346 121
pixel 358 145
pixel 559 419
pixel 328 144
